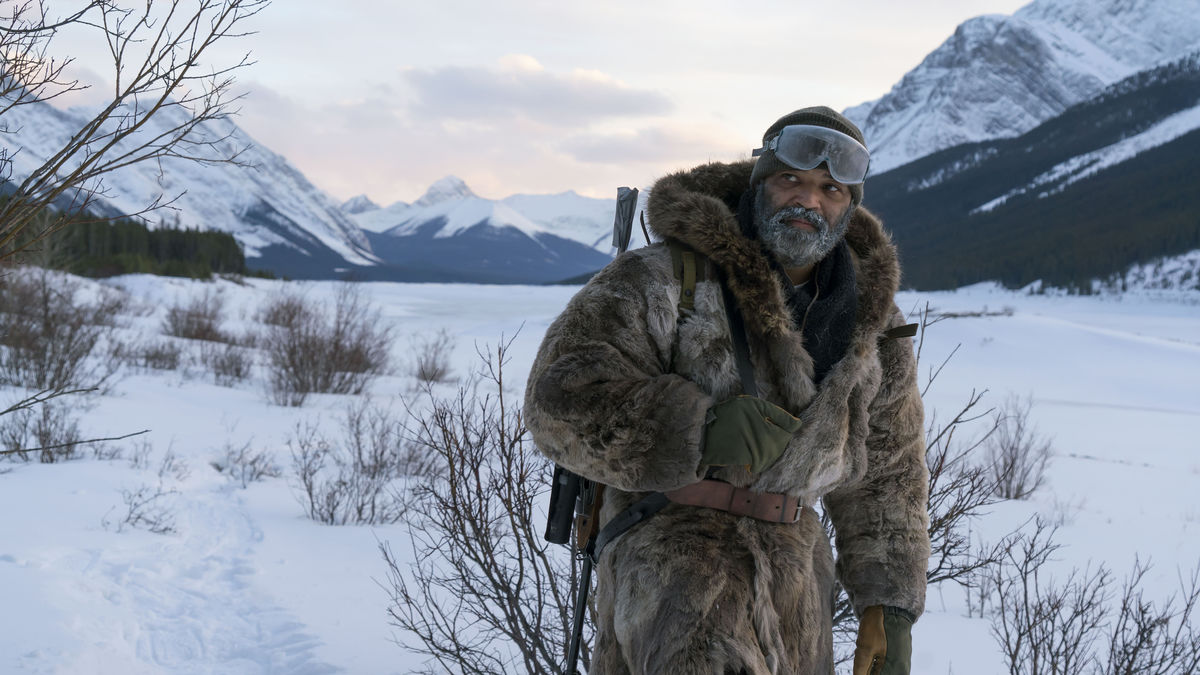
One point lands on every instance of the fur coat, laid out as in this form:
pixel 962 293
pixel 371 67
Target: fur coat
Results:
pixel 619 391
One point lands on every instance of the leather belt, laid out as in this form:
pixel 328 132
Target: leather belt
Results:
pixel 715 494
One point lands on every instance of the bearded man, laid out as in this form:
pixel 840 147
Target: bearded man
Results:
pixel 641 385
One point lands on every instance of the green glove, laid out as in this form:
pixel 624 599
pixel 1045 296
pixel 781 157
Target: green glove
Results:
pixel 746 431
pixel 898 628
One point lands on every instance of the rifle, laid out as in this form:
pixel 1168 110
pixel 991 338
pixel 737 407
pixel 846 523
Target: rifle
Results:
pixel 575 500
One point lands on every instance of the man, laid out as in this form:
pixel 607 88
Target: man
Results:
pixel 639 388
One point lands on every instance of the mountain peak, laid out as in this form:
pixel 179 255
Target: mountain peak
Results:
pixel 358 204
pixel 450 187
pixel 999 76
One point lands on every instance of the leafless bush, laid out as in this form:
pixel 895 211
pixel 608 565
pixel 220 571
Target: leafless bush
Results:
pixel 484 593
pixel 106 451
pixel 174 466
pixel 139 456
pixel 431 356
pixel 351 479
pixel 147 508
pixel 199 319
pixel 1048 627
pixel 243 465
pixel 49 431
pixel 161 355
pixel 229 364
pixel 1017 454
pixel 1149 639
pixel 315 353
pixel 1042 627
pixel 286 308
pixel 51 337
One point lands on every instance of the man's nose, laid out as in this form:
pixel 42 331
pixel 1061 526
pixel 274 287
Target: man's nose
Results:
pixel 805 196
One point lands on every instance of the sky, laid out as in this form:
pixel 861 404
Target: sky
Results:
pixel 534 96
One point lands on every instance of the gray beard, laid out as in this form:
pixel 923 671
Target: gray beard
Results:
pixel 792 246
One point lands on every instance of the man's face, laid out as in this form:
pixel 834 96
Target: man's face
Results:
pixel 802 214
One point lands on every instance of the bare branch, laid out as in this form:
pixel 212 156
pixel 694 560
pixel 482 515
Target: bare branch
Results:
pixel 158 60
pixel 73 443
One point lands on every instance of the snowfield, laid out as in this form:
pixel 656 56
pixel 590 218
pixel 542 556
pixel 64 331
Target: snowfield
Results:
pixel 246 583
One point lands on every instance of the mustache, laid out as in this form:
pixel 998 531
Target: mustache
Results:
pixel 787 213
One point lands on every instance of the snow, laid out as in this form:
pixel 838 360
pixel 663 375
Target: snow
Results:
pixel 212 196
pixel 247 584
pixel 452 204
pixel 444 189
pixel 1077 168
pixel 460 214
pixel 999 76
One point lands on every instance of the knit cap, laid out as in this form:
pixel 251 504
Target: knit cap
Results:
pixel 820 116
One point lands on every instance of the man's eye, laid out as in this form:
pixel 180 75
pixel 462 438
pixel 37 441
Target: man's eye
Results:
pixel 833 187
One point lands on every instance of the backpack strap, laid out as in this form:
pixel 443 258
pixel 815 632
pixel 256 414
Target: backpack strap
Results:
pixel 906 331
pixel 689 267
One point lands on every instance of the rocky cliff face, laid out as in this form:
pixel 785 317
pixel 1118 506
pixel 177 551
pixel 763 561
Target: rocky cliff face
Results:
pixel 264 201
pixel 1000 76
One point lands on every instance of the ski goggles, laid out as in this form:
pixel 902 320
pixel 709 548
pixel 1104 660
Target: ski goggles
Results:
pixel 805 146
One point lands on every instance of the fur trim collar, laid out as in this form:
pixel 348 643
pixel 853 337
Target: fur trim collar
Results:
pixel 697 207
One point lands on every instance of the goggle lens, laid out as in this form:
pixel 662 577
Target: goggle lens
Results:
pixel 806 146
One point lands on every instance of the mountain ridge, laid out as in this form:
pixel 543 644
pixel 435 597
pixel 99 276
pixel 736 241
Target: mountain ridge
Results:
pixel 998 76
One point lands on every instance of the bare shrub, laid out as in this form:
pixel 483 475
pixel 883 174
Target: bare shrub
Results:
pixel 1150 639
pixel 243 465
pixel 351 479
pixel 199 319
pixel 50 432
pixel 315 353
pixel 431 356
pixel 51 337
pixel 146 508
pixel 485 593
pixel 284 309
pixel 1017 454
pixel 1043 627
pixel 139 456
pixel 229 364
pixel 1049 627
pixel 161 355
pixel 174 466
pixel 107 452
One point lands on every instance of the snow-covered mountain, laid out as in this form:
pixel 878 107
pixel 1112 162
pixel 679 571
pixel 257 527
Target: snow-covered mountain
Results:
pixel 284 222
pixel 570 215
pixel 452 204
pixel 525 238
pixel 1106 185
pixel 1000 76
pixel 358 204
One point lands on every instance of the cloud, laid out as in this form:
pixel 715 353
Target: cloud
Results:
pixel 374 144
pixel 651 145
pixel 520 88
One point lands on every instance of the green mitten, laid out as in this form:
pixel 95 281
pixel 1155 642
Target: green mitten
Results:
pixel 747 431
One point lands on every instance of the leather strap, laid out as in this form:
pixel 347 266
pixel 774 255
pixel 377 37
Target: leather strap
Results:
pixel 637 512
pixel 907 330
pixel 714 494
